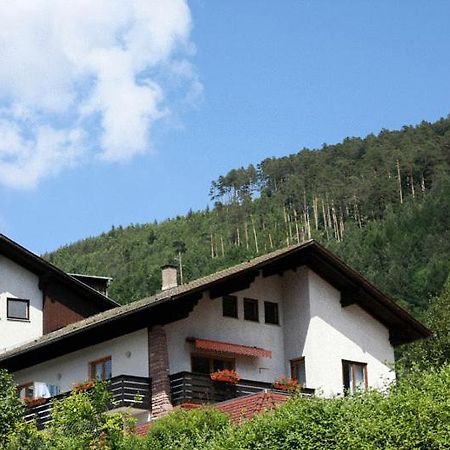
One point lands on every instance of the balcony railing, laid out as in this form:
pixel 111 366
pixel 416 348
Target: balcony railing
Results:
pixel 188 387
pixel 126 391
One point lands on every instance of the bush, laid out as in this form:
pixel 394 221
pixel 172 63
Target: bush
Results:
pixel 415 415
pixel 11 408
pixel 181 429
pixel 80 421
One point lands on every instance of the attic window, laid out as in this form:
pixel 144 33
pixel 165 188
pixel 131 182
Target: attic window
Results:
pixel 271 313
pixel 229 306
pixel 18 309
pixel 251 309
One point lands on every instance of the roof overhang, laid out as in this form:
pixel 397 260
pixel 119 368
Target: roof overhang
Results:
pixel 47 272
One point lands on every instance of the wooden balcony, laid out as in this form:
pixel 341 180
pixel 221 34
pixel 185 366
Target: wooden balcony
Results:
pixel 126 391
pixel 188 387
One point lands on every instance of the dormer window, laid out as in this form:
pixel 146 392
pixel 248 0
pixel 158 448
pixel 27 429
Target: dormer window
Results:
pixel 18 309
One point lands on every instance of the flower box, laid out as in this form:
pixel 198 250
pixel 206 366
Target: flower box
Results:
pixel 286 384
pixel 226 376
pixel 83 387
pixel 32 402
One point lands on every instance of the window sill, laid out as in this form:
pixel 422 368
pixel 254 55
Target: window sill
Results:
pixel 13 319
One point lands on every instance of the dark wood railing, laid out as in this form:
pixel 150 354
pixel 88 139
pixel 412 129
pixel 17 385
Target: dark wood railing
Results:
pixel 126 391
pixel 189 387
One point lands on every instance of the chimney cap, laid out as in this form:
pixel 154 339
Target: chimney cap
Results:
pixel 169 276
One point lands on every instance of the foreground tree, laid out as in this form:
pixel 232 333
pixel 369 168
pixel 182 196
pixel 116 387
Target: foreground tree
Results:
pixel 80 421
pixel 435 351
pixel 11 408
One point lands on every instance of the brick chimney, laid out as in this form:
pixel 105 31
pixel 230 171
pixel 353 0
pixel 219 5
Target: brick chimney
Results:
pixel 169 277
pixel 159 371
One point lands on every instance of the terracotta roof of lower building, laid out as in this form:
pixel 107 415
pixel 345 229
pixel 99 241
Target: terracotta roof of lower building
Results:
pixel 244 408
pixel 142 430
pixel 238 409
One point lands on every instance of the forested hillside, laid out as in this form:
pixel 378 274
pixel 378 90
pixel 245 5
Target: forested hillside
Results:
pixel 382 203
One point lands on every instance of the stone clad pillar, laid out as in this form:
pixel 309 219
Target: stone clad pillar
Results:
pixel 159 371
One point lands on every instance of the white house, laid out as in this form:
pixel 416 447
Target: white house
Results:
pixel 298 312
pixel 37 298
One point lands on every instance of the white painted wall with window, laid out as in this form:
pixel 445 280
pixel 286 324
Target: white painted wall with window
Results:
pixel 336 334
pixel 129 356
pixel 17 282
pixel 206 321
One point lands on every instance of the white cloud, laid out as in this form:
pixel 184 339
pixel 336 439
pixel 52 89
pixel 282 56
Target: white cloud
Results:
pixel 83 79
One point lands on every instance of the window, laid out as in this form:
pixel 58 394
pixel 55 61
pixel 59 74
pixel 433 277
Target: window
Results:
pixel 18 308
pixel 230 306
pixel 298 371
pixel 101 369
pixel 354 375
pixel 271 313
pixel 209 364
pixel 251 309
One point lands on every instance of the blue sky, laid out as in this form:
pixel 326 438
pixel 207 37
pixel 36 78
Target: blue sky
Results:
pixel 137 129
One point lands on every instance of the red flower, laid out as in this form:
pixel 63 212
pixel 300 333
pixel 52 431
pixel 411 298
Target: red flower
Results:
pixel 227 376
pixel 32 402
pixel 286 384
pixel 83 387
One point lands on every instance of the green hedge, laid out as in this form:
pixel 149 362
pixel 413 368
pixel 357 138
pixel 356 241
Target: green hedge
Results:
pixel 414 415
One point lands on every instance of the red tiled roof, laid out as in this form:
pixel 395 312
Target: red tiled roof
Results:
pixel 238 409
pixel 142 430
pixel 231 349
pixel 244 408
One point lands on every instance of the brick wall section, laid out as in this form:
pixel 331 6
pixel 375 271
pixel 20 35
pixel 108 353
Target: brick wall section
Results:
pixel 159 371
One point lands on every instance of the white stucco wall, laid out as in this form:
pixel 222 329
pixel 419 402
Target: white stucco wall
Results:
pixel 296 310
pixel 15 281
pixel 336 333
pixel 313 324
pixel 207 322
pixel 73 368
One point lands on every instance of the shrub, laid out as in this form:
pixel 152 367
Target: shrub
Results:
pixel 415 415
pixel 11 408
pixel 80 421
pixel 181 429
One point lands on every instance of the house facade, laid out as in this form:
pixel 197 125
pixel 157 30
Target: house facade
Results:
pixel 37 298
pixel 299 312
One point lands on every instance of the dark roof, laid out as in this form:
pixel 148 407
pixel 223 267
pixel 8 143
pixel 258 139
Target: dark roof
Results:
pixel 47 271
pixel 176 303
